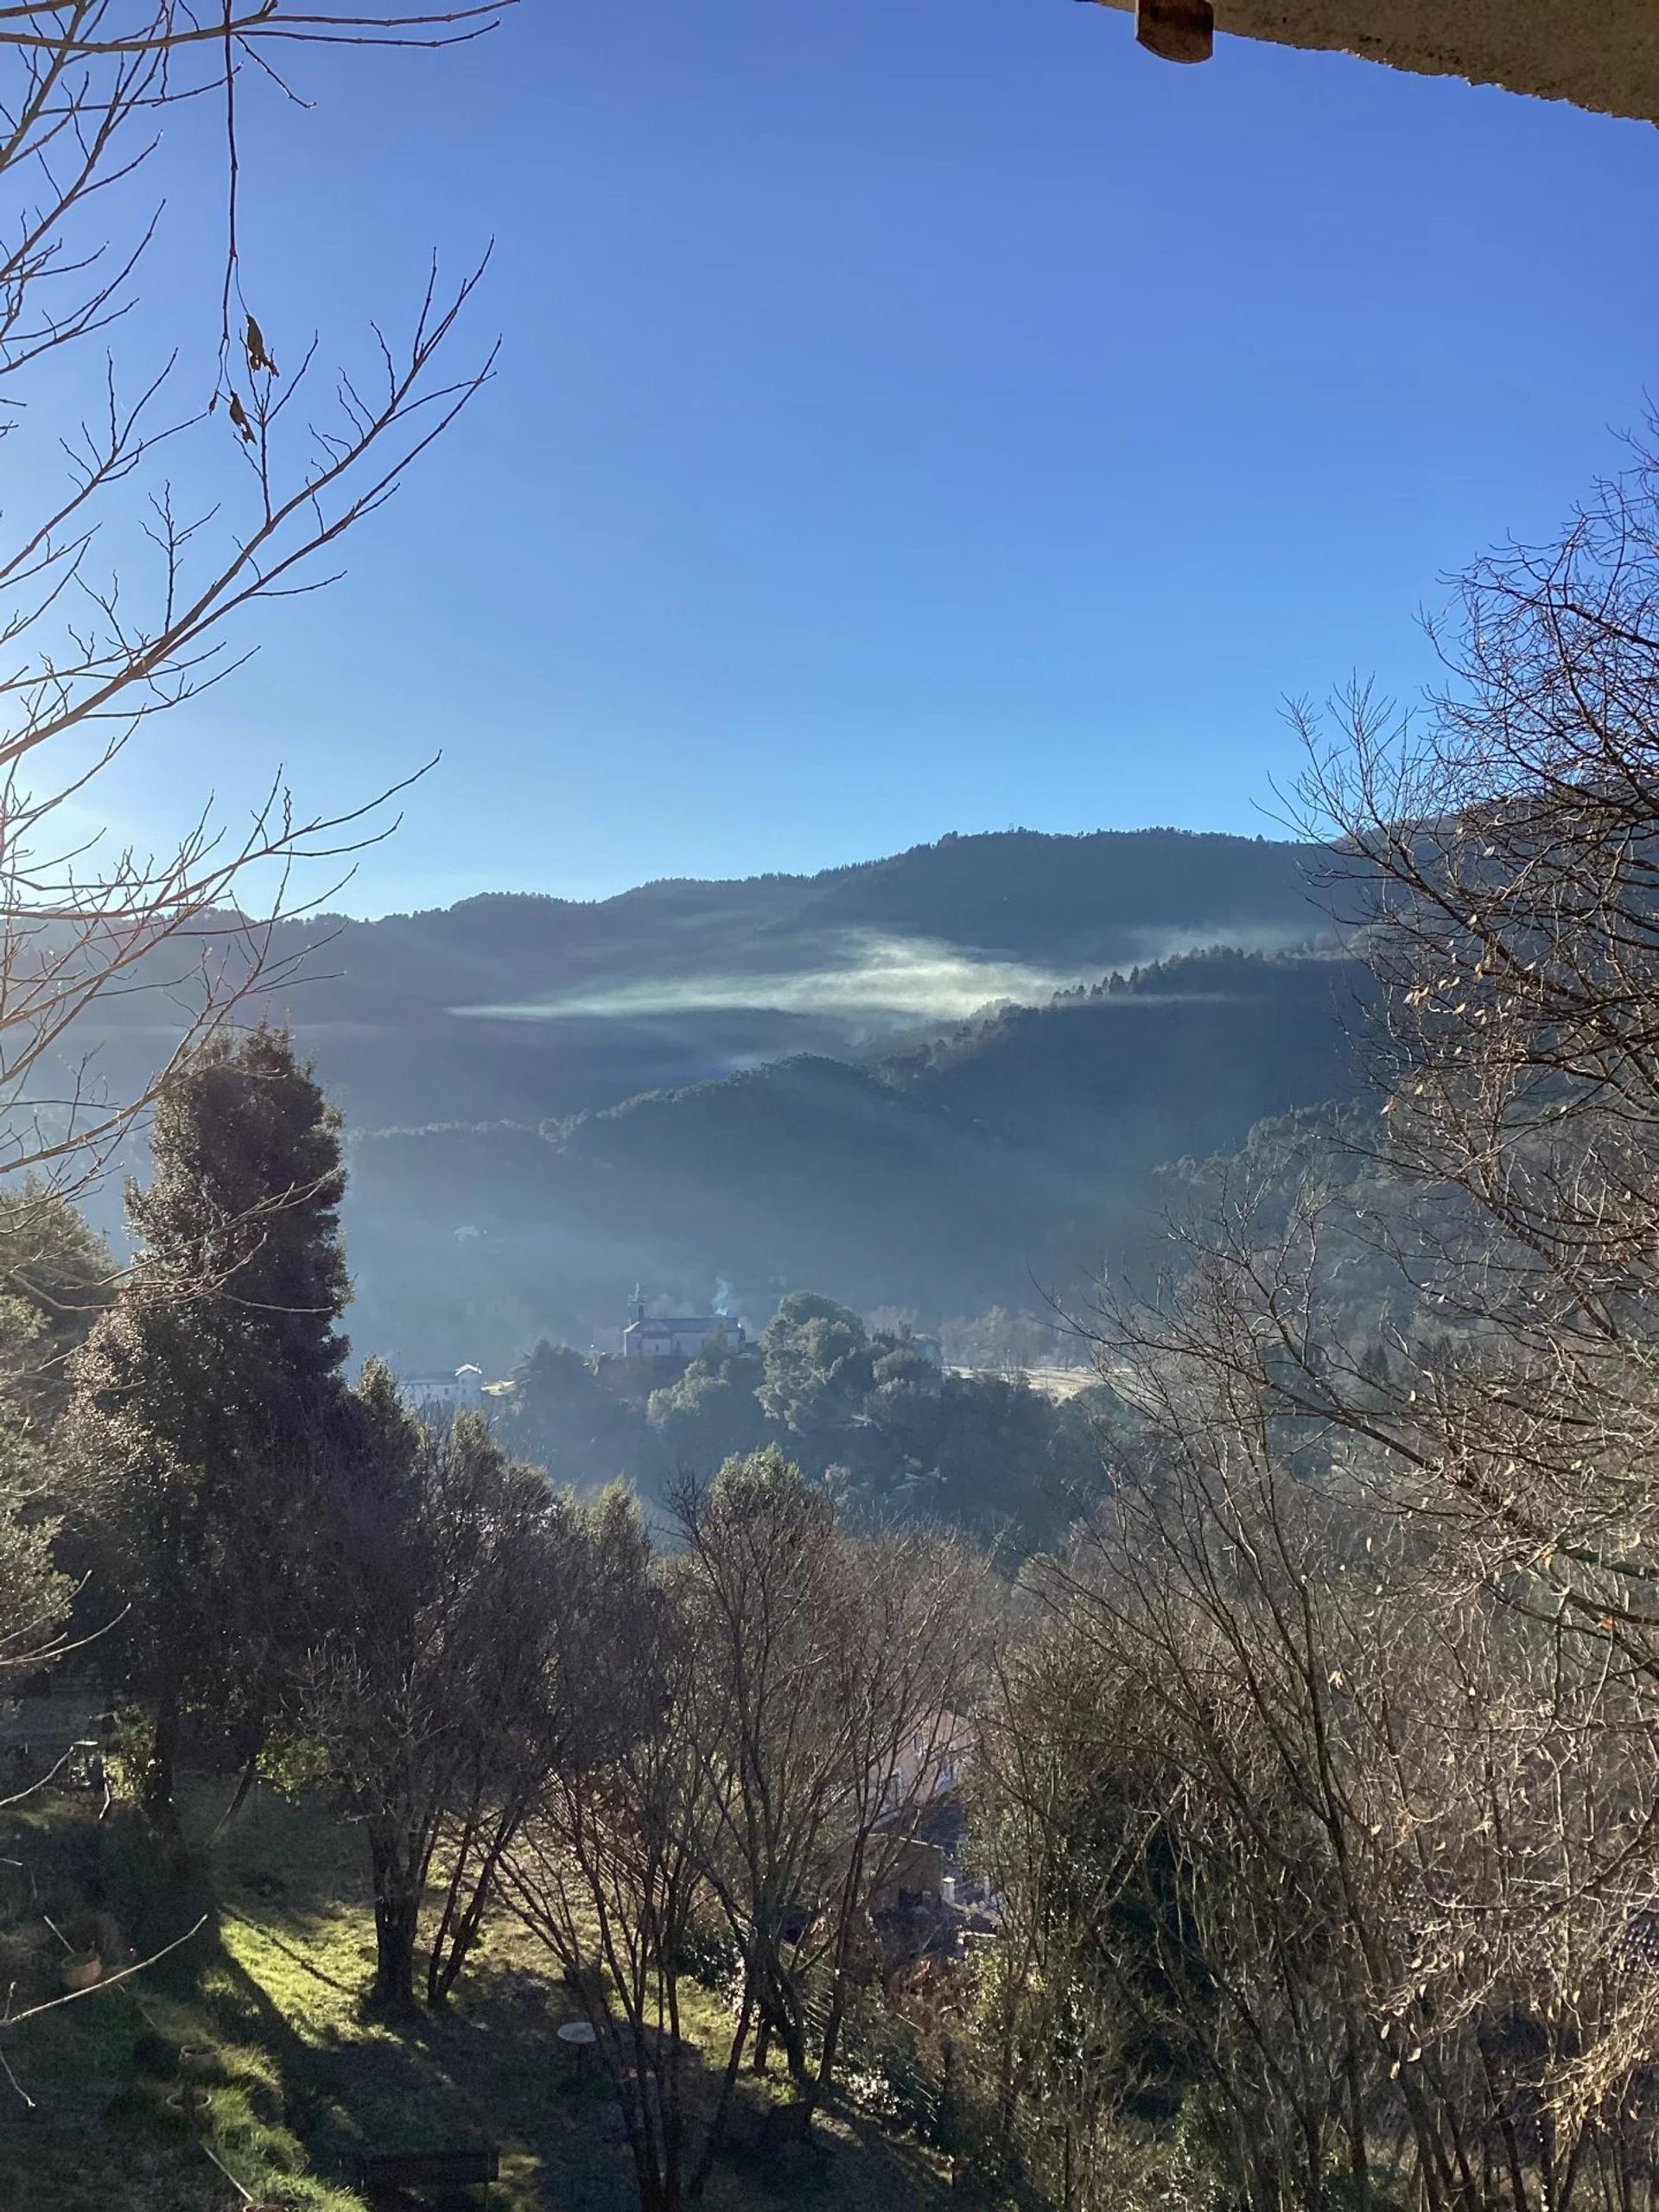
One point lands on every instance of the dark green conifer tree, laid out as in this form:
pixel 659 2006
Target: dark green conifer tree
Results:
pixel 205 1398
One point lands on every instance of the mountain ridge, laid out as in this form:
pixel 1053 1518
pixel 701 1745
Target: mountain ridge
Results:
pixel 917 1080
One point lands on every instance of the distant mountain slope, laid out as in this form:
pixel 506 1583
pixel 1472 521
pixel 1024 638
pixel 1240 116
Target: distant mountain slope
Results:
pixel 943 1179
pixel 1018 892
pixel 1147 891
pixel 1181 1057
pixel 521 1008
pixel 686 1081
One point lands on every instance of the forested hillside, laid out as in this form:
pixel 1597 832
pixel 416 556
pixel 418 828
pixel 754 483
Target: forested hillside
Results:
pixel 515 1008
pixel 1007 1153
pixel 1094 1646
pixel 926 1081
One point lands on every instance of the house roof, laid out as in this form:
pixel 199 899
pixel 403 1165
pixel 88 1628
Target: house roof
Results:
pixel 662 1324
pixel 1602 55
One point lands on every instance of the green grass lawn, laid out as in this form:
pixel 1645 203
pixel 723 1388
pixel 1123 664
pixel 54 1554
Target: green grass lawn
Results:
pixel 300 2083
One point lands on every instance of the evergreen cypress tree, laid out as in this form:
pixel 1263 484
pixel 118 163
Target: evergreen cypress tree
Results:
pixel 204 1399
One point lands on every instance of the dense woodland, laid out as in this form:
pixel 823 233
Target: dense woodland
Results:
pixel 758 1111
pixel 519 1008
pixel 866 1412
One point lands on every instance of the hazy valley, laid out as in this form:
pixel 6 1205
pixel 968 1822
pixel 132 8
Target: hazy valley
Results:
pixel 936 1082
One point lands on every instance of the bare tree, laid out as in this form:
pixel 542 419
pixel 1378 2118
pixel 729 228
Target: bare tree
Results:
pixel 832 1669
pixel 607 1870
pixel 1326 1788
pixel 1060 2052
pixel 99 640
pixel 558 1696
pixel 1305 1833
pixel 752 1729
pixel 1509 844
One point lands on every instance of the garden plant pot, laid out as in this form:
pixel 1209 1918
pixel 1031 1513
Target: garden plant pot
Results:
pixel 197 2058
pixel 82 1972
pixel 190 2103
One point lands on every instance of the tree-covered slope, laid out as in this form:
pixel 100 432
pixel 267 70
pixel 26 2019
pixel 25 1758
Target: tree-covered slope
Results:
pixel 944 1180
pixel 523 1007
pixel 1183 1056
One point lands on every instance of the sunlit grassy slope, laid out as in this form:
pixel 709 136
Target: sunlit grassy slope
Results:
pixel 299 2083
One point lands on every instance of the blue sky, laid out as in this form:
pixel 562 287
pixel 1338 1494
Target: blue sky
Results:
pixel 911 417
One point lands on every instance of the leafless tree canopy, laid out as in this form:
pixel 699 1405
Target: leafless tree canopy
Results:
pixel 120 600
pixel 1513 837
pixel 789 1694
pixel 1324 1783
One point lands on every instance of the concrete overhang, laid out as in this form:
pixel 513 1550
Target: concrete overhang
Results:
pixel 1602 55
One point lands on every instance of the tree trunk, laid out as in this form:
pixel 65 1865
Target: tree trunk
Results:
pixel 244 1786
pixel 716 2128
pixel 1359 2165
pixel 659 2191
pixel 800 2075
pixel 161 1770
pixel 461 1925
pixel 656 2171
pixel 396 1919
pixel 813 2091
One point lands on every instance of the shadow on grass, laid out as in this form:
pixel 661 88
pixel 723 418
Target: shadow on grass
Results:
pixel 268 1934
pixel 278 1973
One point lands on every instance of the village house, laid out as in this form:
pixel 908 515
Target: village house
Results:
pixel 928 1902
pixel 447 1391
pixel 929 1763
pixel 682 1336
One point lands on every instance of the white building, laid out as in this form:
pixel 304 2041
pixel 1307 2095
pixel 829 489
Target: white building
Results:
pixel 449 1392
pixel 930 1765
pixel 676 1336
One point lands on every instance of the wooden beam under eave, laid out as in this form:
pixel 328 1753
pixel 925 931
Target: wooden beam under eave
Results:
pixel 1176 30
